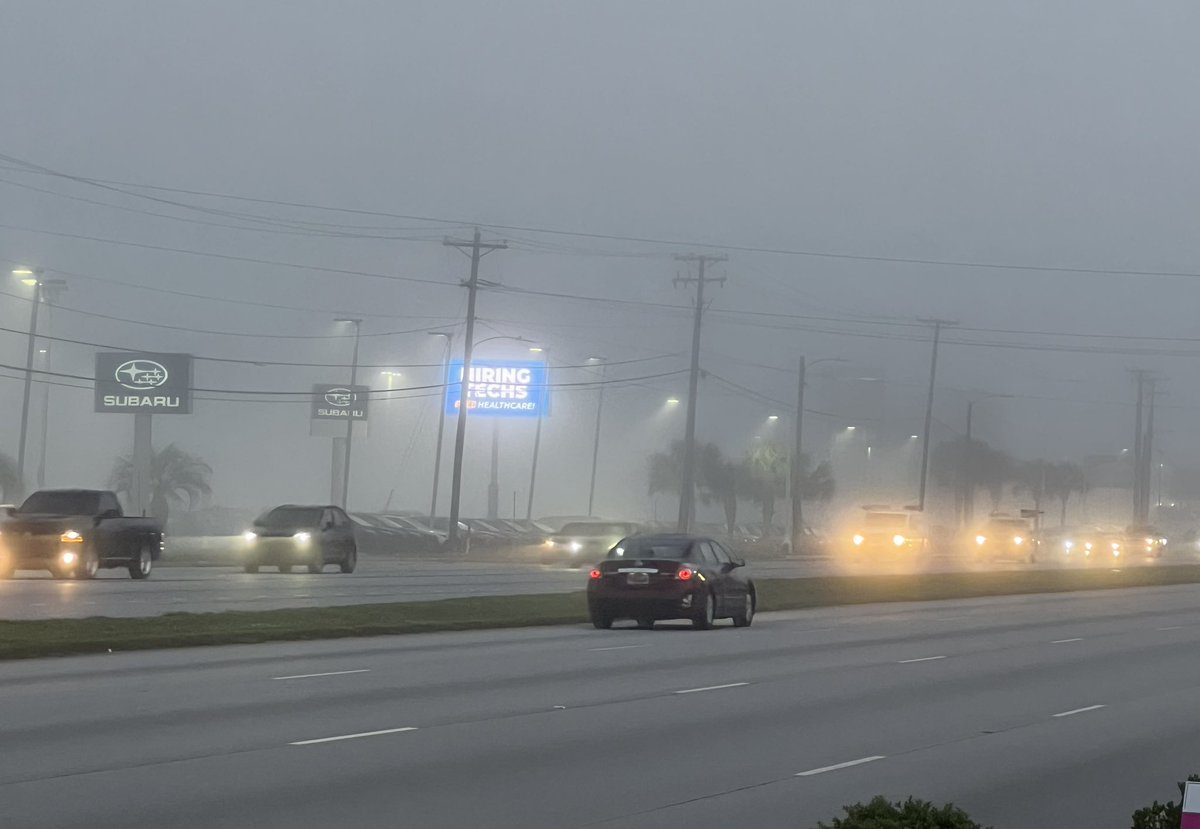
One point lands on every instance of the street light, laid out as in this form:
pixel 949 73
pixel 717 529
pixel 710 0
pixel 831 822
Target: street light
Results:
pixel 797 515
pixel 603 361
pixel 537 437
pixel 672 401
pixel 32 278
pixel 437 455
pixel 772 418
pixel 345 493
pixel 968 484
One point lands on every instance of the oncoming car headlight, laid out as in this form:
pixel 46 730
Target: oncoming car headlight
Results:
pixel 1018 540
pixel 71 537
pixel 981 539
pixel 858 540
pixel 249 535
pixel 899 540
pixel 575 546
pixel 302 537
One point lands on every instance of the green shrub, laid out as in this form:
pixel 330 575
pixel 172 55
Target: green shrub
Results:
pixel 911 814
pixel 1162 815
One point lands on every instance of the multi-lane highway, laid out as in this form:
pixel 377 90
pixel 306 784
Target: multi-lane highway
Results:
pixel 1030 712
pixel 207 589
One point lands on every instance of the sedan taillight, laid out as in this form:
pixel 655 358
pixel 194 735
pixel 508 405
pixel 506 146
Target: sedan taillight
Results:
pixel 595 574
pixel 684 574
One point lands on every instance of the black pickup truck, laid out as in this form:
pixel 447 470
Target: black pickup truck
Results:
pixel 74 533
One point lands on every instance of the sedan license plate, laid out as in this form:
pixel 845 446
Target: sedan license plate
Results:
pixel 639 578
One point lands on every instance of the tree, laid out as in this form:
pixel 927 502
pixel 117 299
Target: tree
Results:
pixel 909 814
pixel 968 466
pixel 816 482
pixel 764 478
pixel 176 477
pixel 10 484
pixel 716 477
pixel 1065 480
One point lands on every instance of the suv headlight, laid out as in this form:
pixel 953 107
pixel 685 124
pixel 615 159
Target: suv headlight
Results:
pixel 71 537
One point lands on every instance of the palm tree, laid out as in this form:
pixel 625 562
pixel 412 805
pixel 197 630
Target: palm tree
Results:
pixel 10 484
pixel 716 477
pixel 1065 479
pixel 764 478
pixel 176 477
pixel 816 483
pixel 968 466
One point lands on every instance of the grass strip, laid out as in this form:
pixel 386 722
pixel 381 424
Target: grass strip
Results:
pixel 61 637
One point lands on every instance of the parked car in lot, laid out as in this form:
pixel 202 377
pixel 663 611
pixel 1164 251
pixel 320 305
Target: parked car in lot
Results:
pixel 301 536
pixel 583 542
pixel 651 577
pixel 75 533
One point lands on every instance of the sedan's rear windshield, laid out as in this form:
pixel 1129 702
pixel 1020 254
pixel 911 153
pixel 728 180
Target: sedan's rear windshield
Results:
pixel 61 503
pixel 290 517
pixel 669 548
pixel 598 530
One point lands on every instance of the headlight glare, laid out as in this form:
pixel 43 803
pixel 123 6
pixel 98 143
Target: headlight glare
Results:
pixel 71 537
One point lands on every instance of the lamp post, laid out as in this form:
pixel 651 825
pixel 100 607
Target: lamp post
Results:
pixel 50 293
pixel 33 279
pixel 797 453
pixel 965 470
pixel 537 438
pixel 437 455
pixel 345 489
pixel 596 441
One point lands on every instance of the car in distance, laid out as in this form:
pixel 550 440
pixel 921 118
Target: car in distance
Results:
pixel 1094 544
pixel 886 532
pixel 580 543
pixel 1145 540
pixel 1006 537
pixel 295 535
pixel 75 533
pixel 652 577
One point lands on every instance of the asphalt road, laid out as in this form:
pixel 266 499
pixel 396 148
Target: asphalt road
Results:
pixel 204 589
pixel 1043 711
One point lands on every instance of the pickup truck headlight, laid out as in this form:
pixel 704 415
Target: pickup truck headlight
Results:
pixel 302 537
pixel 71 537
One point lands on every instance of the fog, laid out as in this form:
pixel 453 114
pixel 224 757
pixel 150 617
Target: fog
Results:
pixel 1024 169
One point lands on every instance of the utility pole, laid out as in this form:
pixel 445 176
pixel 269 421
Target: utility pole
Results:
pixel 437 455
pixel 1147 459
pixel 797 459
pixel 50 294
pixel 596 442
pixel 493 505
pixel 966 484
pixel 1140 375
pixel 478 250
pixel 687 488
pixel 33 320
pixel 345 492
pixel 938 325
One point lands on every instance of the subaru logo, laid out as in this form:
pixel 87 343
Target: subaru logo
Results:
pixel 141 374
pixel 342 398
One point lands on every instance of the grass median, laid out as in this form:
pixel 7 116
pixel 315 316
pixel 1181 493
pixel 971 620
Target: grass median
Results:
pixel 61 637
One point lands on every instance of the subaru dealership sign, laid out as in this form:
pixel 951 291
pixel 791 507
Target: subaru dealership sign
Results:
pixel 339 402
pixel 143 383
pixel 500 388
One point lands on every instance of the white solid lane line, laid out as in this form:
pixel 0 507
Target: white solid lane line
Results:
pixel 327 673
pixel 1172 627
pixel 1065 641
pixel 1079 711
pixel 840 766
pixel 712 688
pixel 351 736
pixel 618 648
pixel 922 659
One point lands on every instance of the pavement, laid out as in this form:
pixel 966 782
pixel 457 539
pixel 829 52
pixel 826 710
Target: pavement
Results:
pixel 1029 712
pixel 35 595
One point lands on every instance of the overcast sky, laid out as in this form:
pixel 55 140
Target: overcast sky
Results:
pixel 1059 135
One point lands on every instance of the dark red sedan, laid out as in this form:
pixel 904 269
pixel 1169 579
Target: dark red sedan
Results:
pixel 651 577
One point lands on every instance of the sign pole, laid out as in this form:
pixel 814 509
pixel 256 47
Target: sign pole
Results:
pixel 143 454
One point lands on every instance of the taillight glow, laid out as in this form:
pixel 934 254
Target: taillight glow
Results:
pixel 595 574
pixel 684 574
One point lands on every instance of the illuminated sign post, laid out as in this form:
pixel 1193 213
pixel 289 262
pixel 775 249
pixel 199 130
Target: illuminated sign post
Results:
pixel 500 388
pixel 143 385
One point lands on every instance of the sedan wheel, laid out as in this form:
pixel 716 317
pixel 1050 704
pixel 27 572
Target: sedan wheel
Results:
pixel 745 617
pixel 349 562
pixel 601 620
pixel 706 614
